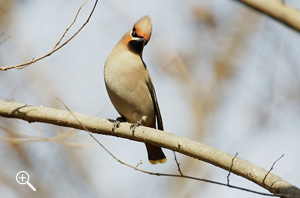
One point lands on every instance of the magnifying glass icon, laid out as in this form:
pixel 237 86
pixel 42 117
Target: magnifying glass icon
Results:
pixel 22 178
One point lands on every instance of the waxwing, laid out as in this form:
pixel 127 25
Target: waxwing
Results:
pixel 129 84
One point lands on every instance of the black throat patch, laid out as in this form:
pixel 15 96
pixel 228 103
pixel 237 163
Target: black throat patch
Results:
pixel 136 46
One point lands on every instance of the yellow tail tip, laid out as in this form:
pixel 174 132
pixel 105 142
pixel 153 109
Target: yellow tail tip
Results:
pixel 164 160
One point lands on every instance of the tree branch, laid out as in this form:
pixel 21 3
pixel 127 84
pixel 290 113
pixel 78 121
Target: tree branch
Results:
pixel 278 10
pixel 167 140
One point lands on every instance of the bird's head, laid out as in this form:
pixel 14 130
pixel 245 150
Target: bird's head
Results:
pixel 140 34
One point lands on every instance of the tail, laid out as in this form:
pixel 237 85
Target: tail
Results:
pixel 155 154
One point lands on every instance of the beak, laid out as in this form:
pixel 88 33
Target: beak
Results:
pixel 145 41
pixel 137 44
pixel 140 39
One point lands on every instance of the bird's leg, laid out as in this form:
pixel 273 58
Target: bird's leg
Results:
pixel 137 124
pixel 117 123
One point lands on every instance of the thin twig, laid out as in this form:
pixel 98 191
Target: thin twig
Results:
pixel 139 163
pixel 177 163
pixel 185 176
pixel 70 25
pixel 231 168
pixel 84 128
pixel 23 65
pixel 272 168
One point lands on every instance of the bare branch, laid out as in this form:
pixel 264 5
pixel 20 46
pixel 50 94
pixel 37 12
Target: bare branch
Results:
pixel 152 136
pixel 278 10
pixel 56 48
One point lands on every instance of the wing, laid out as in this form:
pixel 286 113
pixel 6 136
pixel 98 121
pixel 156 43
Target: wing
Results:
pixel 155 103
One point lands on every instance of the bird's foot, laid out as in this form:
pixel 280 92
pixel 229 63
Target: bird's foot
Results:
pixel 117 123
pixel 137 124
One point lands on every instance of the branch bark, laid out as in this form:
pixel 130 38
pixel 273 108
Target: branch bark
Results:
pixel 186 146
pixel 278 10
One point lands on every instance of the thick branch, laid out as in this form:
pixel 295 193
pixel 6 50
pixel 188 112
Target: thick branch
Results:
pixel 278 10
pixel 167 140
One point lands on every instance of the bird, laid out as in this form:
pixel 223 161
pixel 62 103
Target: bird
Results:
pixel 129 84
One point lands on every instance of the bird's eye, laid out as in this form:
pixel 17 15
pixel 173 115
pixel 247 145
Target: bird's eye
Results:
pixel 133 33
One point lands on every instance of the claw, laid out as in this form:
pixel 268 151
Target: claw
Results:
pixel 133 126
pixel 115 126
pixel 137 124
pixel 117 123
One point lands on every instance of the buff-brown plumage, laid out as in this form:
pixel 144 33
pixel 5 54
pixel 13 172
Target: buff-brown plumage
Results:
pixel 129 84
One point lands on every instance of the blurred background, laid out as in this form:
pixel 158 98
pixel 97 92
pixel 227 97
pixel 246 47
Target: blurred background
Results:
pixel 224 74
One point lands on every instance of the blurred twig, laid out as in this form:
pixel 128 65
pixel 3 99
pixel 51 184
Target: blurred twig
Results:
pixel 18 138
pixel 4 39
